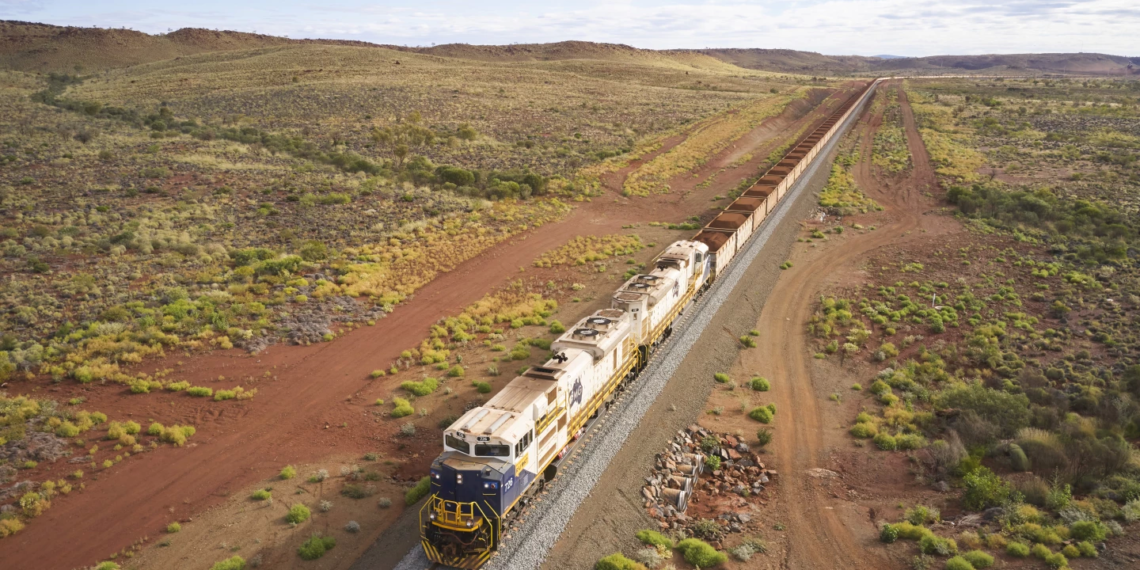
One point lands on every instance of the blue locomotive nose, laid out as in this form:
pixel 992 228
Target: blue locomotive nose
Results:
pixel 467 485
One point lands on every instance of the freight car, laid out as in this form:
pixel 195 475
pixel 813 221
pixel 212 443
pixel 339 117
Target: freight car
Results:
pixel 496 454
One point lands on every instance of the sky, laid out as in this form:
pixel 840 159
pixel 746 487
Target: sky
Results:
pixel 837 27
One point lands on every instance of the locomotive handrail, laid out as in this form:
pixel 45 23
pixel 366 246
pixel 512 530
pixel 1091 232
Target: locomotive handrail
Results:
pixel 548 419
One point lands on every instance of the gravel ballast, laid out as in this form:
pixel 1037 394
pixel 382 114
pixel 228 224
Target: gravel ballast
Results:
pixel 530 542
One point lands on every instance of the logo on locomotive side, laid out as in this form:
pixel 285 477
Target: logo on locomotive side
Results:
pixel 576 392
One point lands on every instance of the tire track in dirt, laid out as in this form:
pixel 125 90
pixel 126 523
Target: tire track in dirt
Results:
pixel 818 537
pixel 315 387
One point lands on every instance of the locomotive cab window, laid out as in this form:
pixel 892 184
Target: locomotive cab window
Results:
pixel 457 444
pixel 523 444
pixel 492 450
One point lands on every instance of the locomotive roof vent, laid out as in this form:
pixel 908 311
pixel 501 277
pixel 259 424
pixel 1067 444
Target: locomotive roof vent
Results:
pixel 585 334
pixel 599 321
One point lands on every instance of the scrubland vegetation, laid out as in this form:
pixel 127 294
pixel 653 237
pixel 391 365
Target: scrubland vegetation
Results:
pixel 705 142
pixel 1009 364
pixel 841 195
pixel 41 431
pixel 889 150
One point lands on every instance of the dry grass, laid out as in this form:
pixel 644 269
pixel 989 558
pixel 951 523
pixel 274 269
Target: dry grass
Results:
pixel 704 142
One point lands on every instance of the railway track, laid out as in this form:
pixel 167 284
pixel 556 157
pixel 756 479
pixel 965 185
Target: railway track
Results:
pixel 538 526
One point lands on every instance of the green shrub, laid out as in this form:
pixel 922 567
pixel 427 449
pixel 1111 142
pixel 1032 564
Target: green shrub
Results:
pixel 482 387
pixel 1056 561
pixel 456 371
pixel 402 408
pixel 699 553
pixel 298 513
pixel 760 384
pixel 761 414
pixel 864 430
pixel 155 429
pixel 232 563
pixel 764 435
pixel 1010 412
pixel 107 565
pixel 173 527
pixel 200 392
pixel 910 441
pixel 920 515
pixel 979 559
pixel 1071 551
pixel 721 377
pixel 748 341
pixel 912 532
pixel 288 472
pixel 1087 550
pixel 1088 530
pixel 419 491
pixel 885 441
pixel 879 388
pixel 1017 549
pixel 1040 551
pixel 959 563
pixel 422 388
pixel 519 352
pixel 557 327
pixel 178 386
pixel 888 533
pixel 984 489
pixel 260 495
pixel 316 547
pixel 1018 458
pixel 933 544
pixel 713 462
pixel 615 561
pixel 377 373
pixel 654 538
pixel 67 429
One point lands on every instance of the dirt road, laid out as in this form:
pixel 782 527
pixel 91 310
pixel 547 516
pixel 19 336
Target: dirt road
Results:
pixel 822 538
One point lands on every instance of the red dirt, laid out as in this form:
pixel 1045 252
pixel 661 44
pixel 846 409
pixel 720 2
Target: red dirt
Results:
pixel 296 415
pixel 819 527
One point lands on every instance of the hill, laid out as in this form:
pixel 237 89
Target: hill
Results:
pixel 26 46
pixel 42 47
pixel 792 61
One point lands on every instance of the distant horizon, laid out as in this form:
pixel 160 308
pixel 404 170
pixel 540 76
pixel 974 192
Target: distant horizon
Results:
pixel 420 46
pixel 832 27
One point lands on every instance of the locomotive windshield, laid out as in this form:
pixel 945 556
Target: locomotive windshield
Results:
pixel 492 450
pixel 457 444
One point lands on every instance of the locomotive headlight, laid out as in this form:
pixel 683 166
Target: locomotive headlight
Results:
pixel 470 523
pixel 432 515
pixel 459 478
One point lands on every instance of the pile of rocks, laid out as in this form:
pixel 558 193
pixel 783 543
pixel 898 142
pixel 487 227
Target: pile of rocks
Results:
pixel 682 476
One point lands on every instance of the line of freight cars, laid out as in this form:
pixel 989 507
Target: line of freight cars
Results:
pixel 495 455
pixel 727 233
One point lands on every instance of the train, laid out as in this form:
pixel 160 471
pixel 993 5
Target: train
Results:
pixel 497 455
